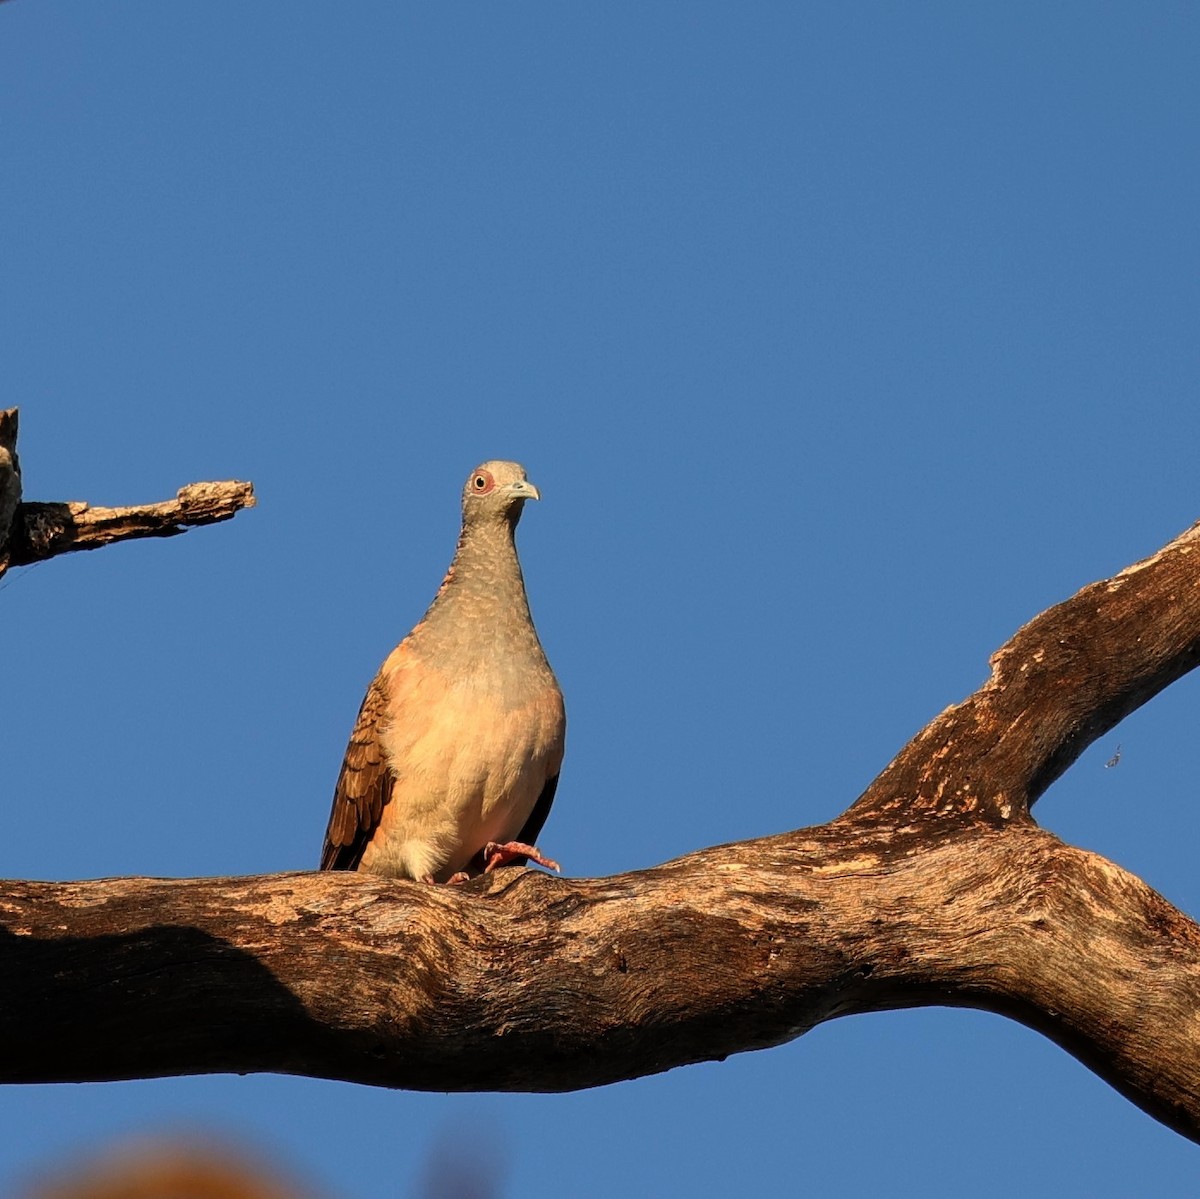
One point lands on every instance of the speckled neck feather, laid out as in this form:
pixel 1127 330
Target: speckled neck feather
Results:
pixel 479 619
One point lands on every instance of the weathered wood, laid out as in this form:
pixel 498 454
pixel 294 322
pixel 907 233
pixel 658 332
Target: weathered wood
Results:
pixel 935 887
pixel 525 981
pixel 10 479
pixel 32 532
pixel 1064 679
pixel 46 530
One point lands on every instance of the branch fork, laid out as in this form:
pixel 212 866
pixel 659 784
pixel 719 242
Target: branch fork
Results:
pixel 936 886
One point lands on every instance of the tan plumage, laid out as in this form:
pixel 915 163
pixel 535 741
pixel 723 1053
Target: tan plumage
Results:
pixel 454 758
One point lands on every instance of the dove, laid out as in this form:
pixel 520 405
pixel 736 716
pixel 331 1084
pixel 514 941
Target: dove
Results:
pixel 454 759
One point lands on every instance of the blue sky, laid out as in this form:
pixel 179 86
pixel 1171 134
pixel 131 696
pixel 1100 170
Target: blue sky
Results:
pixel 841 340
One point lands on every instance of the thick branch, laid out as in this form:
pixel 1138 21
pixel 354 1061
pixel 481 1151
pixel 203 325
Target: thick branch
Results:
pixel 936 887
pixel 528 982
pixel 1063 680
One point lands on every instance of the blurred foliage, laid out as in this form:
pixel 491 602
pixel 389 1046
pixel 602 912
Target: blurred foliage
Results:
pixel 457 1166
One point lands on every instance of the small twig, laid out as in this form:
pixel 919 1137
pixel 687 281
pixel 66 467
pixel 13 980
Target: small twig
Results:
pixel 43 531
pixel 33 532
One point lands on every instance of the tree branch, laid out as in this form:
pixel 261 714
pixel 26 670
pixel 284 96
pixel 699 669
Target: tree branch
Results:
pixel 36 531
pixel 1060 682
pixel 10 480
pixel 935 887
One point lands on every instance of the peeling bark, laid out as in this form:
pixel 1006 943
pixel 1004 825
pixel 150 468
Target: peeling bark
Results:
pixel 935 887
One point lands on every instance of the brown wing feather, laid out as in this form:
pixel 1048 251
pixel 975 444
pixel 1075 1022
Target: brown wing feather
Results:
pixel 363 787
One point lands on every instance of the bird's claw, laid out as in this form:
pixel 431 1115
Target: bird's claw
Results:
pixel 501 853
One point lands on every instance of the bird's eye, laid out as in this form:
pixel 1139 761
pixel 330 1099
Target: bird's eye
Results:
pixel 482 482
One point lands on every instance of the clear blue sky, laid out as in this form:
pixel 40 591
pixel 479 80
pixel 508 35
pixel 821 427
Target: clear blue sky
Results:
pixel 841 339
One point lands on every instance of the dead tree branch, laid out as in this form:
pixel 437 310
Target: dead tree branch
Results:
pixel 32 532
pixel 935 887
pixel 10 480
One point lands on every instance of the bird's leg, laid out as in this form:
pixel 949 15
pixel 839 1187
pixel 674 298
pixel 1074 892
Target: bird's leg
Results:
pixel 460 876
pixel 501 853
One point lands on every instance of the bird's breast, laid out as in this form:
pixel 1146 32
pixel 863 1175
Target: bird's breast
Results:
pixel 469 757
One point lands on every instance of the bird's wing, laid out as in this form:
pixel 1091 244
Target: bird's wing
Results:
pixel 363 787
pixel 529 833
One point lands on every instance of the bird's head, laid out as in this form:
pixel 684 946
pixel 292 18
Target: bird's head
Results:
pixel 497 491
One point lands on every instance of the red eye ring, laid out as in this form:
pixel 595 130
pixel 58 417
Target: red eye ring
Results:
pixel 482 482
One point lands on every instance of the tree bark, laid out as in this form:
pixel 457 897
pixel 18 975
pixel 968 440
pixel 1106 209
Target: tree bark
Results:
pixel 10 480
pixel 935 887
pixel 33 532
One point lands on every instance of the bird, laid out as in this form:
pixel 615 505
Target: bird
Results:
pixel 454 760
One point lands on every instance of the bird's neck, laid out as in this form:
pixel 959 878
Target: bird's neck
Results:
pixel 481 605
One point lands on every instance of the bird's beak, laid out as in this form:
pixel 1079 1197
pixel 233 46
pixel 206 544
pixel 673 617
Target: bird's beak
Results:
pixel 525 489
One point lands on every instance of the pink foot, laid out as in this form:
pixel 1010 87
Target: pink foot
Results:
pixel 501 853
pixel 460 876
